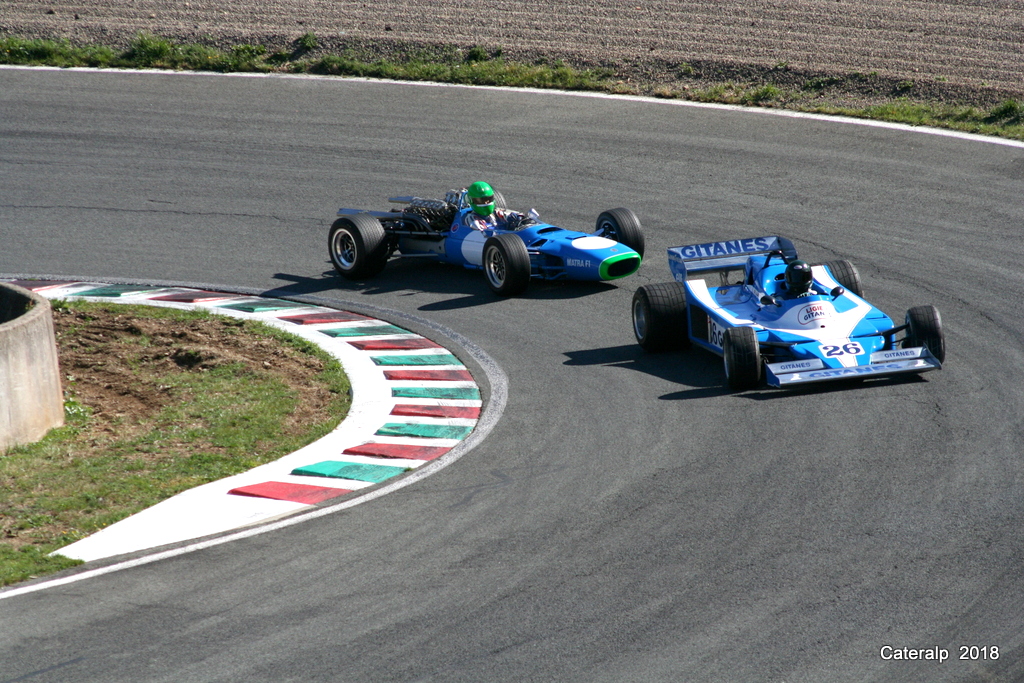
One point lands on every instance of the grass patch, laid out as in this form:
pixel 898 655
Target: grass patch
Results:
pixel 1000 121
pixel 158 401
pixel 478 66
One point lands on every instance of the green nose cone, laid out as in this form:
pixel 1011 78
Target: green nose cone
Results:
pixel 619 265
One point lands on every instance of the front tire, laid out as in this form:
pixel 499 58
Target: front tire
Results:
pixel 623 226
pixel 358 246
pixel 845 273
pixel 659 317
pixel 741 354
pixel 506 264
pixel 924 328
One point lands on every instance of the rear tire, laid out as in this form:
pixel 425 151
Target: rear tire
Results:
pixel 506 264
pixel 845 273
pixel 924 328
pixel 741 354
pixel 659 317
pixel 623 226
pixel 358 246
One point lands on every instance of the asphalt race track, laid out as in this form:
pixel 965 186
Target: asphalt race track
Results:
pixel 627 519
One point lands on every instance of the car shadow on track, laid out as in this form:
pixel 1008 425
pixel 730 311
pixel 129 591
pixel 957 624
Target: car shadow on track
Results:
pixel 704 376
pixel 433 278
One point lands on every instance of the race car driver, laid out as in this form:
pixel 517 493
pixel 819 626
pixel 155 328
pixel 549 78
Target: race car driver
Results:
pixel 485 214
pixel 799 280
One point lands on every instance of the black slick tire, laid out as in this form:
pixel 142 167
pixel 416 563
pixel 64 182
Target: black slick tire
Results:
pixel 623 226
pixel 924 328
pixel 845 273
pixel 659 317
pixel 506 264
pixel 741 354
pixel 357 246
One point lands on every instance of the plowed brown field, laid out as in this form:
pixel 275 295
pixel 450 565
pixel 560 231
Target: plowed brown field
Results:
pixel 954 50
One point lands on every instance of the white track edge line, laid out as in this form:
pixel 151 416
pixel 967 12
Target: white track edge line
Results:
pixel 763 111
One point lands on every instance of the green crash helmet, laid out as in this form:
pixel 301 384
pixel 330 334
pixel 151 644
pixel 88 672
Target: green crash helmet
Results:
pixel 481 198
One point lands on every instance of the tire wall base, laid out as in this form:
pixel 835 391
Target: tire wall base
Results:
pixel 31 400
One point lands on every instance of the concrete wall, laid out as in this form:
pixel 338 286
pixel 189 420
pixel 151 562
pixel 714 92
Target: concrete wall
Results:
pixel 31 401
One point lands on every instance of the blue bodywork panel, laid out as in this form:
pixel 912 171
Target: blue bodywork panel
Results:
pixel 827 334
pixel 555 253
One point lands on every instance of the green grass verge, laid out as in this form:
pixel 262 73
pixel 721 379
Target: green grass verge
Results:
pixel 222 420
pixel 477 66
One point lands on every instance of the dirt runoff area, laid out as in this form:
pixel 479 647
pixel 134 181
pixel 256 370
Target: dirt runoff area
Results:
pixel 116 364
pixel 159 401
pixel 956 51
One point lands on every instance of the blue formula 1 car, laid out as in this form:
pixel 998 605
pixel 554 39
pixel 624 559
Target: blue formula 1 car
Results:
pixel 361 242
pixel 772 316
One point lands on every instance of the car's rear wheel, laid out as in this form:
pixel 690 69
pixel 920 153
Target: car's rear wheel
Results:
pixel 358 246
pixel 741 354
pixel 623 226
pixel 506 264
pixel 924 328
pixel 659 317
pixel 499 201
pixel 845 273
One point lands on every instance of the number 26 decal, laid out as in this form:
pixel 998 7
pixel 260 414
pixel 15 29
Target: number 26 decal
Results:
pixel 849 348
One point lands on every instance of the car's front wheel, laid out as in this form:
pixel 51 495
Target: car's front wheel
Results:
pixel 623 226
pixel 924 328
pixel 357 246
pixel 741 354
pixel 506 264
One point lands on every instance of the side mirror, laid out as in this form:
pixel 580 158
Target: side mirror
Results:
pixel 837 292
pixel 769 300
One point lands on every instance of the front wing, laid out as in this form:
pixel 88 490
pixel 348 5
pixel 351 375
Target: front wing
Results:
pixel 881 364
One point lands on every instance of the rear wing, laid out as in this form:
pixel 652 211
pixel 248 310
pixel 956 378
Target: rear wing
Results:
pixel 722 256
